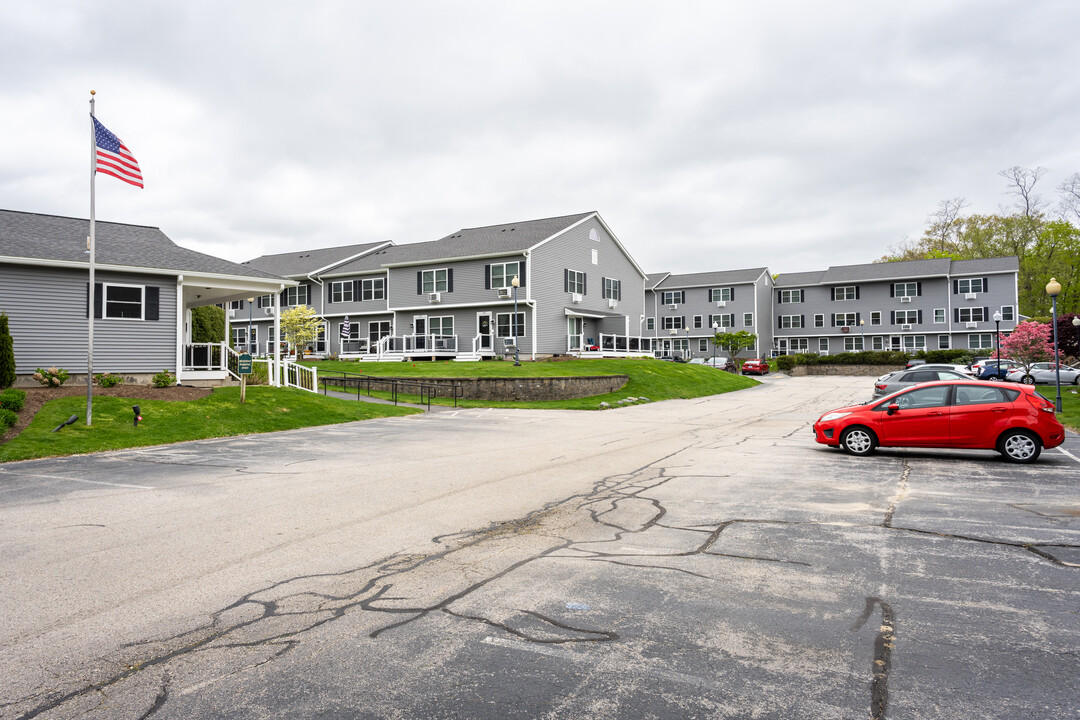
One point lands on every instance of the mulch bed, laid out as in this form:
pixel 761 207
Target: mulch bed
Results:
pixel 36 397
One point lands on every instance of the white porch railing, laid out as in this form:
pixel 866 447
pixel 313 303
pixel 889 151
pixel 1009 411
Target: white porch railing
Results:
pixel 626 344
pixel 299 376
pixel 205 356
pixel 430 343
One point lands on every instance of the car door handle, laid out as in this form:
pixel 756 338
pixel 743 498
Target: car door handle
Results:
pixel 999 409
pixel 934 413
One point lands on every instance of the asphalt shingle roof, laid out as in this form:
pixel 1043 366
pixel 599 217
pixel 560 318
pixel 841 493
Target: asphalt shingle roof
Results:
pixel 305 261
pixel 938 267
pixel 53 237
pixel 718 277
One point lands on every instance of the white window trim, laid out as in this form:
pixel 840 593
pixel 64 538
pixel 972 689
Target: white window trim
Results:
pixel 105 301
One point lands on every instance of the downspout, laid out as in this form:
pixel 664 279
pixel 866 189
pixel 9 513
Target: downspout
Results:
pixel 322 304
pixel 530 303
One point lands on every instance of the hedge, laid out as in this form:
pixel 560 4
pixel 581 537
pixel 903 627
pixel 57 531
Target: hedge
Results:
pixel 873 357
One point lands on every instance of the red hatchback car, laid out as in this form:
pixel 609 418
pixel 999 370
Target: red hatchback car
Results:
pixel 1014 420
pixel 758 367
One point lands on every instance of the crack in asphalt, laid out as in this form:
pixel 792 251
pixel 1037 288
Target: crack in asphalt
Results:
pixel 882 662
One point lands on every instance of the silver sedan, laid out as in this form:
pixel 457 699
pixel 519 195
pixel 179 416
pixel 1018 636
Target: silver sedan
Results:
pixel 906 378
pixel 1042 373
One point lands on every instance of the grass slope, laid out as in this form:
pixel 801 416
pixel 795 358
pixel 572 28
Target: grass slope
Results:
pixel 218 415
pixel 654 379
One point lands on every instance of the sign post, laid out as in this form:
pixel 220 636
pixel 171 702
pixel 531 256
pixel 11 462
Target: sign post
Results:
pixel 243 370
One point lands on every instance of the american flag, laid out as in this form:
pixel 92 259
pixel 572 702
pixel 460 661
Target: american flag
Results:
pixel 113 157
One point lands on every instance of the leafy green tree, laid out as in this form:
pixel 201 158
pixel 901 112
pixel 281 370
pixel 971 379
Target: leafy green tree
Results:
pixel 299 327
pixel 207 324
pixel 7 354
pixel 734 341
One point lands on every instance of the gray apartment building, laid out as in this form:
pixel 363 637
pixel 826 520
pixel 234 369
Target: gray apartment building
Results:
pixel 909 306
pixel 684 311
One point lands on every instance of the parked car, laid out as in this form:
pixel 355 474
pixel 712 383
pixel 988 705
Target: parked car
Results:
pixel 913 362
pixel 994 369
pixel 721 362
pixel 757 367
pixel 1043 374
pixel 1015 420
pixel 906 378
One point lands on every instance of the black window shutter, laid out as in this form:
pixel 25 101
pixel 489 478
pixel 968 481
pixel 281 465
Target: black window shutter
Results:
pixel 858 317
pixel 584 284
pixel 779 321
pixel 356 290
pixel 153 302
pixel 330 292
pixel 833 297
pixel 778 297
pixel 99 299
pixel 956 314
pixel 487 277
pixel 955 287
pixel 892 290
pixel 308 293
pixel 708 295
pixel 856 292
pixel 450 280
pixel 918 288
pixel 284 297
pixel 566 280
pixel 802 296
pixel 618 290
pixel 833 319
pixel 731 294
pixel 604 287
pixel 521 274
pixel 919 318
pixel 892 317
pixel 419 282
pixel 802 321
pixel 986 284
pixel 986 314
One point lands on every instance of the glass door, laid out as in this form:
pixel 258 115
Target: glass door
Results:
pixel 573 333
pixel 420 332
pixel 483 329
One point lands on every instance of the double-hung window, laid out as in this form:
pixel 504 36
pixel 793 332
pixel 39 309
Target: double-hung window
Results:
pixel 373 289
pixel 296 296
pixel 433 281
pixel 983 341
pixel 575 282
pixel 819 320
pixel 724 320
pixel 970 285
pixel 846 292
pixel 853 343
pixel 905 289
pixel 875 317
pixel 799 345
pixel 974 314
pixel 748 319
pixel 907 317
pixel 939 316
pixel 124 301
pixel 504 325
pixel 790 321
pixel 503 274
pixel 672 322
pixel 791 296
pixel 672 297
pixel 721 294
pixel 341 291
pixel 441 326
pixel 1008 313
pixel 612 289
pixel 845 319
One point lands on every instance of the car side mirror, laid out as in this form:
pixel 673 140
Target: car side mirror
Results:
pixel 893 408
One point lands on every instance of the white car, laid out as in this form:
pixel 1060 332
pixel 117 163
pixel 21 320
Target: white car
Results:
pixel 1042 373
pixel 961 369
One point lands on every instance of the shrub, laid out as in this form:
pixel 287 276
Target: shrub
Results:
pixel 866 357
pixel 955 357
pixel 163 379
pixel 108 380
pixel 12 399
pixel 7 354
pixel 785 363
pixel 7 418
pixel 51 377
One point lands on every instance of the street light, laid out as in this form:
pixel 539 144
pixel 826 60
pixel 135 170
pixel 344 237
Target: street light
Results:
pixel 862 334
pixel 687 331
pixel 516 283
pixel 250 301
pixel 716 328
pixel 1076 324
pixel 997 334
pixel 1053 289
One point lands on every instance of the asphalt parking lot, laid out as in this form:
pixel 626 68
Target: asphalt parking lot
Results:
pixel 687 559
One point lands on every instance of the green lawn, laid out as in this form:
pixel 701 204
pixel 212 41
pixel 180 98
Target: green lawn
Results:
pixel 652 379
pixel 218 415
pixel 1070 403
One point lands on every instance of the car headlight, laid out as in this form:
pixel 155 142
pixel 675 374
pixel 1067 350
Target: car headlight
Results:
pixel 833 416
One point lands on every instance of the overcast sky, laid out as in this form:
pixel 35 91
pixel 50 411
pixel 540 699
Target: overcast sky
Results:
pixel 709 135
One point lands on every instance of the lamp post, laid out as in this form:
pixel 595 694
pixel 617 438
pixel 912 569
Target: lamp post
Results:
pixel 997 334
pixel 1053 289
pixel 1076 324
pixel 249 302
pixel 862 334
pixel 687 331
pixel 516 282
pixel 716 328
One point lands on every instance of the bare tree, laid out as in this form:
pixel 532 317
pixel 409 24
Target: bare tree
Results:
pixel 1069 203
pixel 944 224
pixel 1022 183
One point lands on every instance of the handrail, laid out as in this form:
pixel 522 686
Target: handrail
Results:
pixel 394 386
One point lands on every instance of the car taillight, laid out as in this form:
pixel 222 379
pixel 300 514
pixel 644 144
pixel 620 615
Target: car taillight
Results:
pixel 1040 403
pixel 881 386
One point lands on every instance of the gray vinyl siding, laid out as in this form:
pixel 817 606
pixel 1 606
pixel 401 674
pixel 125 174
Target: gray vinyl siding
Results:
pixel 573 250
pixel 47 316
pixel 763 320
pixel 356 305
pixel 468 284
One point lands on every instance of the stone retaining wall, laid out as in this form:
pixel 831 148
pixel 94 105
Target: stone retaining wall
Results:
pixel 857 370
pixel 522 389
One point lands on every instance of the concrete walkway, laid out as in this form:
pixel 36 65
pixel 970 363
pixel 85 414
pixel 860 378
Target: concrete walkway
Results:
pixel 364 398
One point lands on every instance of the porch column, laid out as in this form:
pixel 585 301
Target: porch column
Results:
pixel 181 331
pixel 276 380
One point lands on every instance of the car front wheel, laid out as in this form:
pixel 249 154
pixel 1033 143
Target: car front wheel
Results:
pixel 993 378
pixel 1019 446
pixel 858 441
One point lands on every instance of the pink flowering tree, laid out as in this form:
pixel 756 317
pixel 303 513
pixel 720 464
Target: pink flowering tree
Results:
pixel 1028 344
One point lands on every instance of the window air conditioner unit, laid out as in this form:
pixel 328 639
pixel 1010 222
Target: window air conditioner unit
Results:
pixel 972 324
pixel 905 327
pixel 970 296
pixel 232 312
pixel 613 303
pixel 504 293
pixel 434 297
pixel 269 310
pixel 721 303
pixel 673 306
pixel 575 297
pixel 905 298
pixel 509 342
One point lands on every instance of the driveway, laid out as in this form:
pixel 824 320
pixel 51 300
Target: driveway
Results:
pixel 699 558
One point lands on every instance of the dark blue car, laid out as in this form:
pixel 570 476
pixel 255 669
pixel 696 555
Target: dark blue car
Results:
pixel 996 369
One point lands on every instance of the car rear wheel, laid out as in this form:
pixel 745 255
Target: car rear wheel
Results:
pixel 993 378
pixel 858 440
pixel 1028 380
pixel 1019 446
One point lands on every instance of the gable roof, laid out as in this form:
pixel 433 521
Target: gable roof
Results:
pixel 53 239
pixel 936 267
pixel 304 262
pixel 703 279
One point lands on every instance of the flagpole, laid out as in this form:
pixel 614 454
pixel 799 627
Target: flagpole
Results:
pixel 90 298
